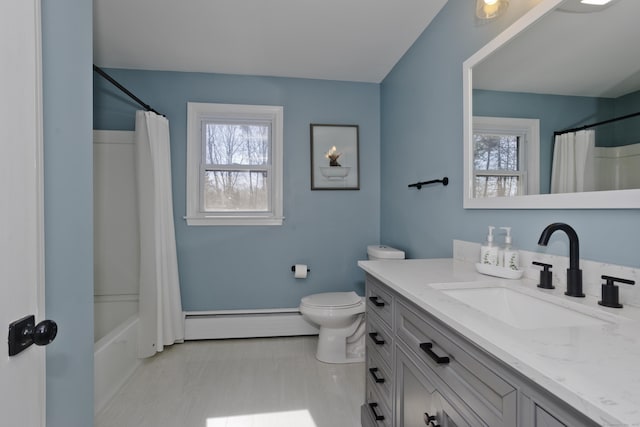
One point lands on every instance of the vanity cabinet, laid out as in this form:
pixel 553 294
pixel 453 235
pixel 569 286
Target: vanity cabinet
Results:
pixel 380 384
pixel 420 372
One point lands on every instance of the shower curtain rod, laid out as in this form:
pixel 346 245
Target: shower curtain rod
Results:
pixel 615 119
pixel 124 89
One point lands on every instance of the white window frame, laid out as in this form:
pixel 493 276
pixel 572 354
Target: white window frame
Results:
pixel 197 112
pixel 529 131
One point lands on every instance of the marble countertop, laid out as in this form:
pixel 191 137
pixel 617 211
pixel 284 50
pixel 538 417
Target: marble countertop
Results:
pixel 595 369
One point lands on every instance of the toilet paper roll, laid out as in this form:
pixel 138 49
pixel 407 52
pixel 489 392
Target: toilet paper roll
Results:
pixel 300 271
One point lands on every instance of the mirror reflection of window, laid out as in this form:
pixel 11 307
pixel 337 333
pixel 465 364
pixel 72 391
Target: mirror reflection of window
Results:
pixel 496 162
pixel 505 157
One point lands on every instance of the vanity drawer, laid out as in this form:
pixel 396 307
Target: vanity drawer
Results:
pixel 379 338
pixel 487 394
pixel 380 376
pixel 375 409
pixel 379 300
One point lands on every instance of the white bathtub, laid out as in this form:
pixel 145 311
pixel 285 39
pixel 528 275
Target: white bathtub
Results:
pixel 115 360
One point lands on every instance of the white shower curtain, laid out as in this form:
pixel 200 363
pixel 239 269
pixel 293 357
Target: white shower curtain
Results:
pixel 573 163
pixel 160 305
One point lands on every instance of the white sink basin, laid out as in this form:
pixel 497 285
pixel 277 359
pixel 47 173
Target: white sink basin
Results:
pixel 519 309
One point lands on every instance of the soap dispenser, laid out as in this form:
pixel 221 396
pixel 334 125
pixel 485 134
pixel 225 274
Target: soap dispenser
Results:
pixel 511 257
pixel 489 251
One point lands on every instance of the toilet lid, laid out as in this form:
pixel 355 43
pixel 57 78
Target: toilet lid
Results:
pixel 332 299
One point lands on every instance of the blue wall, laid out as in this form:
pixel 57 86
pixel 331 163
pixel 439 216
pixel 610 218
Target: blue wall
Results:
pixel 68 205
pixel 628 129
pixel 421 128
pixel 249 267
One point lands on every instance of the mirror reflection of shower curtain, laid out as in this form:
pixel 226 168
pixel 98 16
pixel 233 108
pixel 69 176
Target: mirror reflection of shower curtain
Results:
pixel 160 305
pixel 573 164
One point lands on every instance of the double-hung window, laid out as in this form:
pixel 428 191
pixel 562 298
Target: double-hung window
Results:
pixel 505 156
pixel 234 164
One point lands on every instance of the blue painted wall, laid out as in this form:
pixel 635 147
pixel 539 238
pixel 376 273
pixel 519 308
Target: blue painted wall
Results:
pixel 249 267
pixel 421 138
pixel 68 177
pixel 629 130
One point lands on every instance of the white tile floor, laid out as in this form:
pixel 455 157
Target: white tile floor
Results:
pixel 270 382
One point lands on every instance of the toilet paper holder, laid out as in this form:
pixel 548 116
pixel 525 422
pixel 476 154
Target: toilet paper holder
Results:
pixel 293 269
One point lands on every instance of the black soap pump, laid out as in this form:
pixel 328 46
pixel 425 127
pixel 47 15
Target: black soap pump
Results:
pixel 610 296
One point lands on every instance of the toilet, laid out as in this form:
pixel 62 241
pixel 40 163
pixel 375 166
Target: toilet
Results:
pixel 340 316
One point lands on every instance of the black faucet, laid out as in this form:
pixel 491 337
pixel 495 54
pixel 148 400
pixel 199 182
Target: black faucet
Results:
pixel 574 274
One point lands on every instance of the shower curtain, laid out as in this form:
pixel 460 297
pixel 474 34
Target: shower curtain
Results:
pixel 160 306
pixel 573 165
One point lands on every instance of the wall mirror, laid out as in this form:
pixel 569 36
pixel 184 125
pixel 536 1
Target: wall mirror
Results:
pixel 565 65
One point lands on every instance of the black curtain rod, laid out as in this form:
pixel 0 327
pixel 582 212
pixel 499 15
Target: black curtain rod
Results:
pixel 628 116
pixel 124 89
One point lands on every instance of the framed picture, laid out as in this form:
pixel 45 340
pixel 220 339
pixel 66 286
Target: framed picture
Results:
pixel 334 157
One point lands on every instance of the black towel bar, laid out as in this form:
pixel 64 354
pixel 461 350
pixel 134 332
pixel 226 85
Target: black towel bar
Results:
pixel 418 185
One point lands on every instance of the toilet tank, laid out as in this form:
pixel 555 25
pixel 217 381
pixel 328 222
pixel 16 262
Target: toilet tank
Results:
pixel 381 252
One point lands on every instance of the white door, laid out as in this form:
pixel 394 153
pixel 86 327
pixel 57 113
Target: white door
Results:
pixel 22 377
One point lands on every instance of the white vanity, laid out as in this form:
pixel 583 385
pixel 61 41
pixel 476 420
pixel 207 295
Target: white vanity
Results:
pixel 436 358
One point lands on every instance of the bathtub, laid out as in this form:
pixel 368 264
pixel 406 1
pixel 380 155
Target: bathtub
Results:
pixel 115 360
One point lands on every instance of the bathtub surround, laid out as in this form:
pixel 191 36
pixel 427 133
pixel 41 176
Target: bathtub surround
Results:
pixel 115 231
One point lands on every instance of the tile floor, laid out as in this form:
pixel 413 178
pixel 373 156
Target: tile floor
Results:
pixel 266 382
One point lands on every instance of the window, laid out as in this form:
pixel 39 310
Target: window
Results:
pixel 234 164
pixel 505 157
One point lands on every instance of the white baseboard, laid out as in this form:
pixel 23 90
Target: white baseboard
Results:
pixel 246 324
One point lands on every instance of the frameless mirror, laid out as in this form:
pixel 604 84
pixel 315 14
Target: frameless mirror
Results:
pixel 563 65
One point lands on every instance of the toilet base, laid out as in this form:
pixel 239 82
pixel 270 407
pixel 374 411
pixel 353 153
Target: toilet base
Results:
pixel 343 345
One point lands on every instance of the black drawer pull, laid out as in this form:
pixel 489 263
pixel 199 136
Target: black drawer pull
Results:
pixel 373 406
pixel 430 420
pixel 374 337
pixel 376 301
pixel 373 372
pixel 427 348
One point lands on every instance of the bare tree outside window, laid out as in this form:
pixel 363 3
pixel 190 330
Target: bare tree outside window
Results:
pixel 237 166
pixel 496 161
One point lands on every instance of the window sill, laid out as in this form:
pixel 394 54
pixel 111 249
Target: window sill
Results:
pixel 233 220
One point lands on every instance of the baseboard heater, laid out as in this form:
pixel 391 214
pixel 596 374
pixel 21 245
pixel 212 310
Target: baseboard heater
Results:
pixel 206 325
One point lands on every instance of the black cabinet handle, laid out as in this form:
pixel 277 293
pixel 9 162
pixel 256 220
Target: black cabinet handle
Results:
pixel 427 348
pixel 376 301
pixel 374 337
pixel 373 406
pixel 373 372
pixel 430 420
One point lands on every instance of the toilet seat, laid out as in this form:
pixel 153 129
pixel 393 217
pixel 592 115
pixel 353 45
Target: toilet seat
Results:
pixel 334 300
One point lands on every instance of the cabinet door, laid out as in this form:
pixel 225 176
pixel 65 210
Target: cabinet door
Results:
pixel 419 403
pixel 545 419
